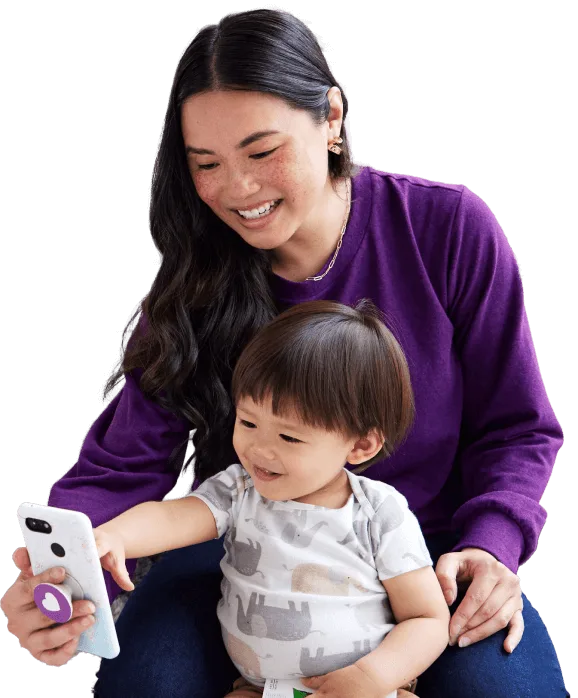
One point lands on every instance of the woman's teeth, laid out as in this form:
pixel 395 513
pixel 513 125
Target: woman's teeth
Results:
pixel 261 211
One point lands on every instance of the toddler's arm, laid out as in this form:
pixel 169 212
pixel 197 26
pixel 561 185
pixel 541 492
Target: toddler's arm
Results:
pixel 153 527
pixel 420 636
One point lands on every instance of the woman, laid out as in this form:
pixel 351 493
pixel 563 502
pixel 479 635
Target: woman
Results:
pixel 256 117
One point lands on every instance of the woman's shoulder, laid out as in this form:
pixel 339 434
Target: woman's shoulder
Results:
pixel 427 199
pixel 445 224
pixel 406 181
pixel 411 188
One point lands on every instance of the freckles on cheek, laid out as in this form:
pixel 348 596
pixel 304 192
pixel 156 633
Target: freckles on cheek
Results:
pixel 204 188
pixel 284 174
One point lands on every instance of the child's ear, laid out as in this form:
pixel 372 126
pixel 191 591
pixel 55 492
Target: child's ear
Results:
pixel 365 447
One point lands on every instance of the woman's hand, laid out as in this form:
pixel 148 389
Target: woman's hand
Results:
pixel 493 600
pixel 110 547
pixel 49 643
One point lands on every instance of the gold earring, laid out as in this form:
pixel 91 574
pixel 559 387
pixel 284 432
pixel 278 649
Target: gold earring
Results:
pixel 335 148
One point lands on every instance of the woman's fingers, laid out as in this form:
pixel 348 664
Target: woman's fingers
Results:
pixel 21 559
pixel 61 655
pixel 34 630
pixel 447 570
pixel 33 618
pixel 509 613
pixel 493 596
pixel 56 636
pixel 58 655
pixel 515 633
pixel 502 592
pixel 25 588
pixel 477 594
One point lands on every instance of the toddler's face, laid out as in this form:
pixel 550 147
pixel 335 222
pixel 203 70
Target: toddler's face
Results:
pixel 286 458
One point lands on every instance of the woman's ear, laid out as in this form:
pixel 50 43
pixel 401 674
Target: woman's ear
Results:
pixel 335 116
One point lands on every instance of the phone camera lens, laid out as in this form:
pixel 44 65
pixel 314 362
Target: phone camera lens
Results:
pixel 38 525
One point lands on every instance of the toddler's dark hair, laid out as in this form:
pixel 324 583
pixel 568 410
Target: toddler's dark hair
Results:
pixel 338 366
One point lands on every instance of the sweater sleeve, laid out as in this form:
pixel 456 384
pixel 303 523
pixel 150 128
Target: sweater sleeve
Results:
pixel 510 435
pixel 123 461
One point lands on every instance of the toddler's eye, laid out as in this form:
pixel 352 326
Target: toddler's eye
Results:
pixel 247 424
pixel 290 439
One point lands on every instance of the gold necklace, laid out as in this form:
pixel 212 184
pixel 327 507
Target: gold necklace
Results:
pixel 332 262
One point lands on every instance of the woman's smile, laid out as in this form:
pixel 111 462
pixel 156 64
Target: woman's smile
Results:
pixel 262 220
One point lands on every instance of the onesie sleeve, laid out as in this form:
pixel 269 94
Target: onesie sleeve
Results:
pixel 221 493
pixel 398 543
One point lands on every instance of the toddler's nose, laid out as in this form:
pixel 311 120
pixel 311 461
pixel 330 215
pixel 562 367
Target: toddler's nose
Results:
pixel 262 457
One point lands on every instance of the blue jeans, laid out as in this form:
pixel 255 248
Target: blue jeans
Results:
pixel 171 642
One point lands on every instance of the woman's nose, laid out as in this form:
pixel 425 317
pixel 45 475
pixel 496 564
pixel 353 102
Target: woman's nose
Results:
pixel 241 186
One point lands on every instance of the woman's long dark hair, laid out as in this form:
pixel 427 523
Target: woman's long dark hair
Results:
pixel 211 293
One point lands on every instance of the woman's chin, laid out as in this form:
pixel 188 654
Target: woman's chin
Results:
pixel 263 240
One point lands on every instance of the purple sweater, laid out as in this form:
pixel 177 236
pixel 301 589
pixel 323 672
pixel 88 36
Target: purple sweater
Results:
pixel 433 257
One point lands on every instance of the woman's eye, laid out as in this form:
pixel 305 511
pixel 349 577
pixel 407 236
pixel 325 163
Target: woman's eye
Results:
pixel 258 156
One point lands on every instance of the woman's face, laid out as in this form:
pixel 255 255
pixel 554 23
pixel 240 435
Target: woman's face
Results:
pixel 240 176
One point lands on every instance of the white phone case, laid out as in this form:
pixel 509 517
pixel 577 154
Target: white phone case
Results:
pixel 72 530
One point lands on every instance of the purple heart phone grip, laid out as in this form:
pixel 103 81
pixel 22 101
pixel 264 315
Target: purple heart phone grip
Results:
pixel 54 600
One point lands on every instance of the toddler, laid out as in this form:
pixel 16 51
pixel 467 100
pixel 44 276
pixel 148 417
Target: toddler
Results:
pixel 326 573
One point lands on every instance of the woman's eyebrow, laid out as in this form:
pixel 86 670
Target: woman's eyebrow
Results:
pixel 243 144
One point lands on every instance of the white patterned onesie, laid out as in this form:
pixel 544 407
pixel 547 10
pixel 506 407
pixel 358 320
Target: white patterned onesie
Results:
pixel 301 591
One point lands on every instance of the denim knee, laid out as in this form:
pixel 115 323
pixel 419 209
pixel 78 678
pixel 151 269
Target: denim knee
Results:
pixel 485 668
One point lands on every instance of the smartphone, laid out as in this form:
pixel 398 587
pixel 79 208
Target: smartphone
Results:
pixel 64 538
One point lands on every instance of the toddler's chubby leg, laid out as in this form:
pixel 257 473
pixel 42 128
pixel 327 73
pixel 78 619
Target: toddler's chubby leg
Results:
pixel 244 689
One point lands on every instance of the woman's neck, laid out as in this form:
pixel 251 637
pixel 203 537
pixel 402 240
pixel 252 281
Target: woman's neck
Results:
pixel 313 245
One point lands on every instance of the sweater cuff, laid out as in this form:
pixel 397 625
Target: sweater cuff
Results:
pixel 495 533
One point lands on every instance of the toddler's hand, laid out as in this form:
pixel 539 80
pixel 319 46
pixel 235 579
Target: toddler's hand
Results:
pixel 110 549
pixel 349 682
